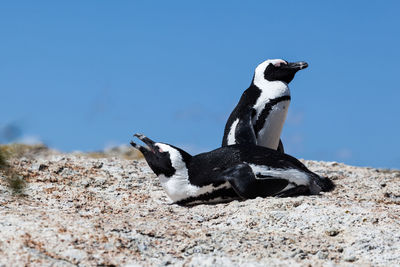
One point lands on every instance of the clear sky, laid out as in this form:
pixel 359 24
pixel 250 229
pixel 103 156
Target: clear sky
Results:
pixel 84 75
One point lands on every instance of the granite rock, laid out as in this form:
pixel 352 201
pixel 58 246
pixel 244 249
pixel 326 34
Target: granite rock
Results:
pixel 82 210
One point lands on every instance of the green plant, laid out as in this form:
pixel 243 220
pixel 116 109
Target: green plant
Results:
pixel 14 181
pixel 3 160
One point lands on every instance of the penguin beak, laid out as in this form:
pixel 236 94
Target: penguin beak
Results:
pixel 150 143
pixel 158 161
pixel 145 139
pixel 296 66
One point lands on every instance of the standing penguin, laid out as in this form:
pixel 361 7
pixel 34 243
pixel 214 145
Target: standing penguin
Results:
pixel 263 106
pixel 226 173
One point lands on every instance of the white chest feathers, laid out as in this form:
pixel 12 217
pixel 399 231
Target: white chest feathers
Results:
pixel 178 187
pixel 270 90
pixel 270 133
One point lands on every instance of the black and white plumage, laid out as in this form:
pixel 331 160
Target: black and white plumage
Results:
pixel 231 172
pixel 263 105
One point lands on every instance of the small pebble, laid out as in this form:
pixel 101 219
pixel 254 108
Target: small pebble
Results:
pixel 322 255
pixel 350 259
pixel 332 232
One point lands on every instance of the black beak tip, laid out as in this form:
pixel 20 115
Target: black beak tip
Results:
pixel 134 144
pixel 303 65
pixel 295 66
pixel 138 135
pixel 144 139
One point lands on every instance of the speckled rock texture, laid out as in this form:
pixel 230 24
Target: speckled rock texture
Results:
pixel 80 210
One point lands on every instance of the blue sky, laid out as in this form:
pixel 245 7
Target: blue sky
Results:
pixel 83 75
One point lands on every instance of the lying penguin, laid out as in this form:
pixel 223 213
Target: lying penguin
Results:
pixel 263 105
pixel 227 173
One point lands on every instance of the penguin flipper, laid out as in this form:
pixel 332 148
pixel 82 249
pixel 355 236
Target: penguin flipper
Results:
pixel 244 132
pixel 280 147
pixel 298 190
pixel 247 186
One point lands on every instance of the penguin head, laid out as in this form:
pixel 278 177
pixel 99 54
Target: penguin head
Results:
pixel 278 70
pixel 163 159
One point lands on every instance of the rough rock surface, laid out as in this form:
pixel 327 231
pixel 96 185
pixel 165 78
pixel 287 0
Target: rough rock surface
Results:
pixel 80 210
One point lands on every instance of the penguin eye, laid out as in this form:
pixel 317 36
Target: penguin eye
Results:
pixel 159 149
pixel 280 63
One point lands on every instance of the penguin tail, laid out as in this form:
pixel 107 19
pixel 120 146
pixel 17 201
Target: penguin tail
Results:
pixel 326 184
